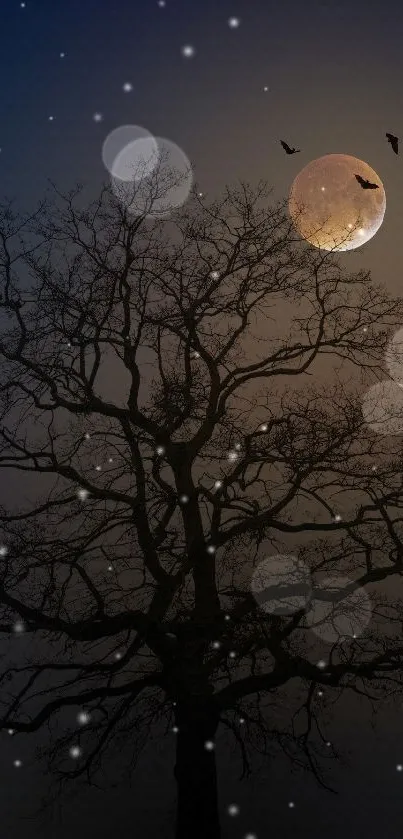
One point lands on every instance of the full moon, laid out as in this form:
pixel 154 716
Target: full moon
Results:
pixel 330 209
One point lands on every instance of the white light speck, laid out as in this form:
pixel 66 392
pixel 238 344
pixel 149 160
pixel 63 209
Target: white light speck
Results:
pixel 161 3
pixel 350 226
pixel 83 718
pixel 97 117
pixel 337 517
pixel 291 804
pixel 10 732
pixel 83 494
pixel 184 499
pixel 233 810
pixel 232 654
pixel 188 51
pixel 87 436
pixel 211 549
pixel 227 617
pixel 75 752
pixel 98 468
pixel 110 459
pixel 127 87
pixel 110 567
pixel 62 55
pixel 216 645
pixel 3 550
pixel 217 484
pixel 399 767
pixel 233 22
pixel 17 764
pixel 263 427
pixel 51 118
pixel 118 656
pixel 232 456
pixel 321 664
pixel 175 729
pixel 328 743
pixel 160 450
pixel 250 836
pixel 209 746
pixel 197 355
pixel 19 627
pixel 320 692
pixel 265 88
pixel 215 275
pixel 241 720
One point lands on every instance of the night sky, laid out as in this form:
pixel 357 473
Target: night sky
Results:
pixel 333 73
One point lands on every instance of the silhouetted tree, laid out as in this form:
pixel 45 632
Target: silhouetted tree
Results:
pixel 186 393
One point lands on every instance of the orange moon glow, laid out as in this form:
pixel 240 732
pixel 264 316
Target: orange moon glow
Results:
pixel 330 209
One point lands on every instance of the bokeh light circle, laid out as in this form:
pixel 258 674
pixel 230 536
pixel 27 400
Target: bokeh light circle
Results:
pixel 281 584
pixel 137 160
pixel 330 209
pixel 334 620
pixel 382 408
pixel 118 139
pixel 167 186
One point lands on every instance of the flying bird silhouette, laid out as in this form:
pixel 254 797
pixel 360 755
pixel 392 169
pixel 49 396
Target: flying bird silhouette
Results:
pixel 287 148
pixel 394 142
pixel 366 184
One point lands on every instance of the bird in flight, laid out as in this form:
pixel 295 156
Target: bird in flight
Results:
pixel 287 148
pixel 366 184
pixel 394 142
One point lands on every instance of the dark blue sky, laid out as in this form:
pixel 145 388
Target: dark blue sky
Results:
pixel 334 73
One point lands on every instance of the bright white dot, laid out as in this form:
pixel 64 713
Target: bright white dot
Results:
pixel 10 732
pixel 233 810
pixel 399 767
pixel 127 87
pixel 328 743
pixel 323 188
pixel 17 764
pixel 211 549
pixel 337 517
pixel 232 456
pixel 188 51
pixel 87 436
pixel 110 567
pixel 209 745
pixel 3 550
pixel 97 117
pixel 110 459
pixel 175 729
pixel 291 804
pixel 232 654
pixel 215 275
pixel 98 468
pixel 75 751
pixel 83 494
pixel 241 720
pixel 62 55
pixel 184 499
pixel 251 836
pixel 83 718
pixel 160 450
pixel 216 645
pixel 265 88
pixel 22 5
pixel 19 627
pixel 50 118
pixel 118 656
pixel 321 664
pixel 350 226
pixel 361 231
pixel 161 3
pixel 234 22
pixel 227 617
pixel 237 446
pixel 263 427
pixel 218 485
pixel 197 355
pixel 365 329
pixel 320 692
pixel 200 194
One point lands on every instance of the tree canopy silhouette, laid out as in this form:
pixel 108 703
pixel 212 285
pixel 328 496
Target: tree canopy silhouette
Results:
pixel 185 395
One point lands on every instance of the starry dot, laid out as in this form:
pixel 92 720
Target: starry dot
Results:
pixel 233 810
pixel 83 718
pixel 399 767
pixel 215 275
pixel 216 645
pixel 263 427
pixel 188 51
pixel 209 746
pixel 17 763
pixel 232 654
pixel 233 22
pixel 160 450
pixel 127 87
pixel 62 55
pixel 337 517
pixel 291 804
pixel 19 627
pixel 161 3
pixel 210 549
pixel 218 485
pixel 75 752
pixel 265 88
pixel 51 118
pixel 97 118
pixel 3 550
pixel 83 494
pixel 118 656
pixel 184 499
pixel 175 729
pixel 321 664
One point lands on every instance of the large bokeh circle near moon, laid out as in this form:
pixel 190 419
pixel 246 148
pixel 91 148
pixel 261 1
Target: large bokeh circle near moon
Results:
pixel 330 209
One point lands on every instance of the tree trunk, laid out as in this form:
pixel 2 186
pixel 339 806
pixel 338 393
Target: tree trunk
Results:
pixel 195 772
